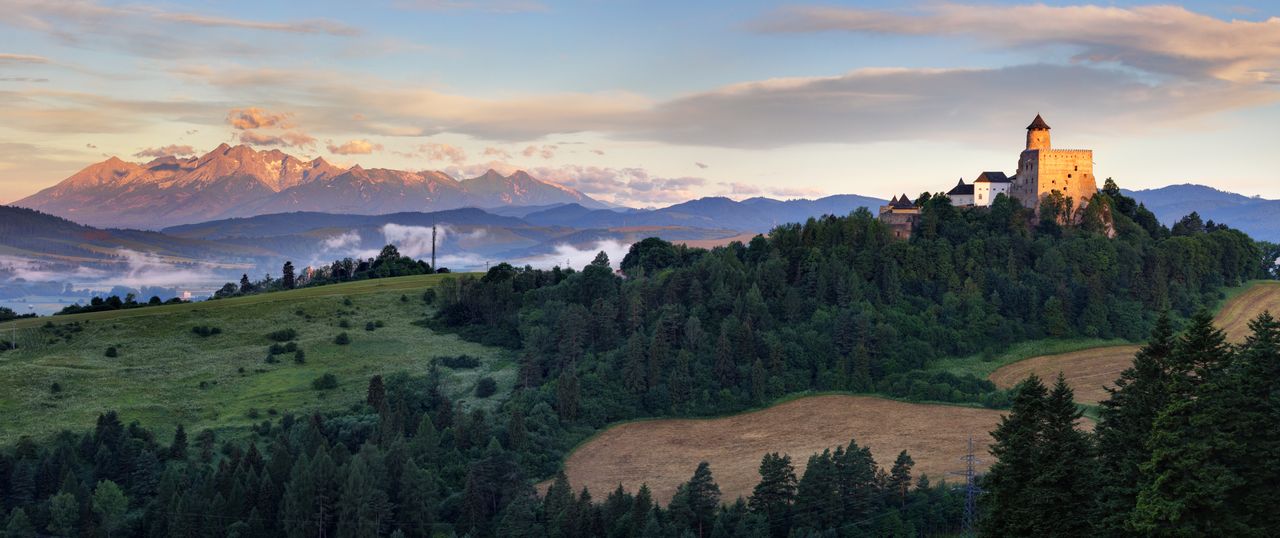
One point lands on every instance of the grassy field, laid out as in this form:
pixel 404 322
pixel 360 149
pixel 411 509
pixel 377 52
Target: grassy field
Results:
pixel 663 453
pixel 1088 368
pixel 164 374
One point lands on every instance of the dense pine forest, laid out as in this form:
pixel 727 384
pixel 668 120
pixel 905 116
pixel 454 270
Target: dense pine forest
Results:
pixel 830 304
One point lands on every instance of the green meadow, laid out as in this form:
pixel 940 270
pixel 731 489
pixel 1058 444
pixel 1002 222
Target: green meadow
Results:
pixel 164 374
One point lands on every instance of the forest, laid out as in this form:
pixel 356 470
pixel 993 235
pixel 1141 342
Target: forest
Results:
pixel 829 304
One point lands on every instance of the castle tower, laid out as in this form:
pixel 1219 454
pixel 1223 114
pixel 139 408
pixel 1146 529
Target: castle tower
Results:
pixel 1038 134
pixel 1043 170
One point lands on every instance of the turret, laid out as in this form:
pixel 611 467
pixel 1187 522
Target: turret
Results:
pixel 1038 134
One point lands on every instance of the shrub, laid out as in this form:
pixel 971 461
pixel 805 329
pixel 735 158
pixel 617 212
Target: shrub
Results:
pixel 205 331
pixel 429 296
pixel 325 382
pixel 370 326
pixel 112 352
pixel 458 362
pixel 55 388
pixel 346 301
pixel 342 339
pixel 344 324
pixel 404 298
pixel 283 335
pixel 486 387
pixel 252 413
pixel 300 357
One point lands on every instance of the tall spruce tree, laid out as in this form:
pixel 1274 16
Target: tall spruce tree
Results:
pixel 1061 495
pixel 773 495
pixel 1008 483
pixel 696 501
pixel 1126 418
pixel 1184 484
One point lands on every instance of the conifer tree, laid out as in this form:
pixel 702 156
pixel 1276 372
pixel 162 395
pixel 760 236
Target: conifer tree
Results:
pixel 696 501
pixel 363 508
pixel 178 448
pixel 1007 484
pixel 1185 483
pixel 1062 491
pixel 1126 418
pixel 1253 401
pixel 287 276
pixel 776 491
pixel 899 482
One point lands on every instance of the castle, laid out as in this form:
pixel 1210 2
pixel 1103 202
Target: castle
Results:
pixel 1041 170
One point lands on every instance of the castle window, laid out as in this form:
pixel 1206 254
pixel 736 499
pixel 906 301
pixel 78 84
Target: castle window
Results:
pixel 1068 176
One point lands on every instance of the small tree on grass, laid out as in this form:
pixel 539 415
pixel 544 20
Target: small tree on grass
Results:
pixel 342 339
pixel 300 357
pixel 112 352
pixel 486 387
pixel 325 382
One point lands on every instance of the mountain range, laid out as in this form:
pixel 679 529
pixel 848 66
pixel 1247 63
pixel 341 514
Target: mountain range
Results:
pixel 240 182
pixel 1256 216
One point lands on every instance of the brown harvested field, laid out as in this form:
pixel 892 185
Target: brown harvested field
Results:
pixel 1235 316
pixel 1086 371
pixel 664 453
pixel 1089 370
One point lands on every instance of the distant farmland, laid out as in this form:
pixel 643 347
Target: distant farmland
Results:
pixel 1089 370
pixel 664 453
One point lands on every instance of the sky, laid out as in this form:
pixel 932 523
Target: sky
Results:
pixel 649 103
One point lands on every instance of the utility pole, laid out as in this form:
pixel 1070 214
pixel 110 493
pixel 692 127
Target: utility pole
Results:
pixel 433 246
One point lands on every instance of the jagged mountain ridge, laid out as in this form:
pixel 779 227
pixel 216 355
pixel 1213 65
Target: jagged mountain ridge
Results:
pixel 239 181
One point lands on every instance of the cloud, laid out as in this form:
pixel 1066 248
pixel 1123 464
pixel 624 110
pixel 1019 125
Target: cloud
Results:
pixel 1158 39
pixel 289 139
pixel 979 105
pixel 598 151
pixel 489 6
pixel 90 146
pixel 622 185
pixel 578 257
pixel 298 27
pixel 342 241
pixel 7 58
pixel 146 269
pixel 255 118
pixel 497 153
pixel 700 165
pixel 148 30
pixel 354 147
pixel 443 152
pixel 165 151
pixel 546 151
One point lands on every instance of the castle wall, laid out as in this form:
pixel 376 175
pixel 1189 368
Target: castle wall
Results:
pixel 985 193
pixel 1069 171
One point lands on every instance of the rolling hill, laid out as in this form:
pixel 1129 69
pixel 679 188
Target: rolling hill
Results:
pixel 1258 217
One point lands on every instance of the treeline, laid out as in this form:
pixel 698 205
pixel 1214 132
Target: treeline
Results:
pixel 388 263
pixel 411 463
pixel 114 302
pixel 1188 444
pixel 836 304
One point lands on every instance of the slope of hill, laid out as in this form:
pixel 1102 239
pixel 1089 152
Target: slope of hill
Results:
pixel 1258 217
pixel 38 236
pixel 229 380
pixel 752 215
pixel 240 181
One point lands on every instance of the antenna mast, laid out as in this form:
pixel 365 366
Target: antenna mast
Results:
pixel 433 245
